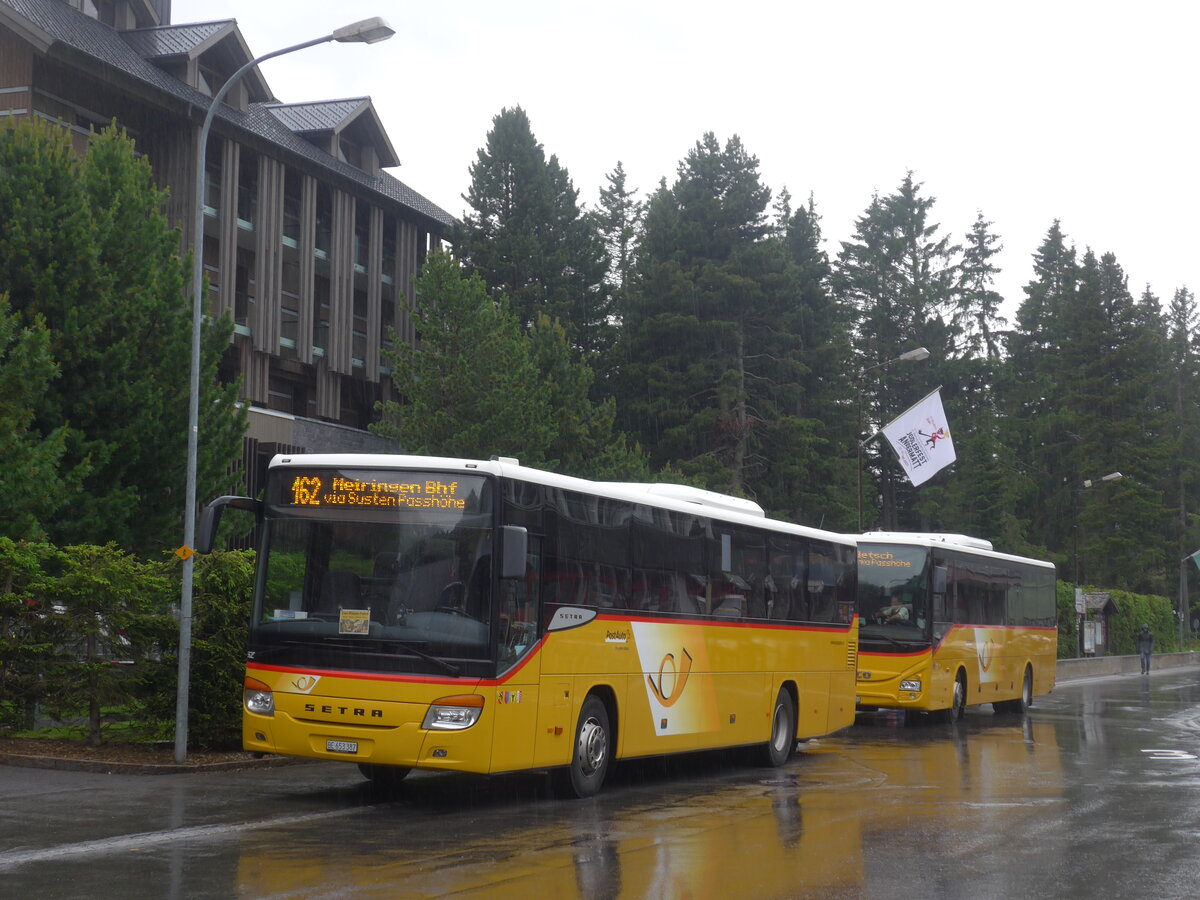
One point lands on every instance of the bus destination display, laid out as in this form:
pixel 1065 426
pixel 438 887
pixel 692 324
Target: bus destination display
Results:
pixel 395 491
pixel 882 560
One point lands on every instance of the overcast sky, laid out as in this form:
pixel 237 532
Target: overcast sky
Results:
pixel 1025 111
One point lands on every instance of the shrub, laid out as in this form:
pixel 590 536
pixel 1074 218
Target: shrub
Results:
pixel 223 583
pixel 27 629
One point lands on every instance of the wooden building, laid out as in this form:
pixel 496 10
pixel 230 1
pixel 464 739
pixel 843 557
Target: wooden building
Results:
pixel 308 243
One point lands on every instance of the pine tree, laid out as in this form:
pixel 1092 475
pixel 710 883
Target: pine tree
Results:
pixel 478 384
pixel 618 222
pixel 85 247
pixel 528 238
pixel 145 351
pixel 713 373
pixel 1039 420
pixel 898 277
pixel 978 302
pixel 32 487
pixel 1183 357
pixel 470 387
pixel 812 472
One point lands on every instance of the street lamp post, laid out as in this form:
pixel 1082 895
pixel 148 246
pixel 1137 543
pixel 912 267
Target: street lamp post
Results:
pixel 368 31
pixel 916 355
pixel 1081 611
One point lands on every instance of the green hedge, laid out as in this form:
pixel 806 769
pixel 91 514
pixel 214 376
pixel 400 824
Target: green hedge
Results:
pixel 90 635
pixel 1133 610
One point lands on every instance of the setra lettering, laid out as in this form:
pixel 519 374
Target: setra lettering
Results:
pixel 329 709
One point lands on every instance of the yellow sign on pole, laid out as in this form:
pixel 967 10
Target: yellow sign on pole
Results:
pixel 185 552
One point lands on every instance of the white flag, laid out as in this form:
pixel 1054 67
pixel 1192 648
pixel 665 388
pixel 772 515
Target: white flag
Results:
pixel 921 439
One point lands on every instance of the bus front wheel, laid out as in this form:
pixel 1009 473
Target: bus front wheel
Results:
pixel 958 699
pixel 590 755
pixel 385 777
pixel 958 703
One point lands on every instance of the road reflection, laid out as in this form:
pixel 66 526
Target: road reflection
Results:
pixel 843 814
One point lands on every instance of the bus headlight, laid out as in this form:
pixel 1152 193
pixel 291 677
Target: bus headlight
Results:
pixel 453 713
pixel 914 685
pixel 258 697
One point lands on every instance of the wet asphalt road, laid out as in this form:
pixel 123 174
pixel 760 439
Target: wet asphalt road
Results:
pixel 1095 794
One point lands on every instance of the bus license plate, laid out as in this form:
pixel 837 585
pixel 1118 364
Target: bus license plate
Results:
pixel 341 746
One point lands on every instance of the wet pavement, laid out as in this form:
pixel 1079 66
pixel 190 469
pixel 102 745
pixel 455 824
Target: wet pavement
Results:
pixel 1095 794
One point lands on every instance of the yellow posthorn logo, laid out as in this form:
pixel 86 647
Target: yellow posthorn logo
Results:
pixel 678 675
pixel 305 683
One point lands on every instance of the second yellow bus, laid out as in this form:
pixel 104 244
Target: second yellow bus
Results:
pixel 948 622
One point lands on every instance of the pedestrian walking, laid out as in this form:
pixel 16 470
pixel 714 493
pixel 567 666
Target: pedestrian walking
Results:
pixel 1145 646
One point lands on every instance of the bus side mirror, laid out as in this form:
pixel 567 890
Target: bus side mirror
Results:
pixel 210 518
pixel 514 546
pixel 939 579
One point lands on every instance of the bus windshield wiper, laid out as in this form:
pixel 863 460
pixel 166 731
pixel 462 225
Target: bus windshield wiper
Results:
pixel 354 646
pixel 448 667
pixel 885 637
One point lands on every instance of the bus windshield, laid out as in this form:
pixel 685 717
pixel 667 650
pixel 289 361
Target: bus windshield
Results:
pixel 893 598
pixel 365 573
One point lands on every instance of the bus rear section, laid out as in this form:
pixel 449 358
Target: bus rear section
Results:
pixel 947 623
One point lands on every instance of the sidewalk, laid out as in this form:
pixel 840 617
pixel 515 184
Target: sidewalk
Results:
pixel 83 759
pixel 1092 666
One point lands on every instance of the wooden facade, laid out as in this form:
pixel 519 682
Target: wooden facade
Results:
pixel 308 244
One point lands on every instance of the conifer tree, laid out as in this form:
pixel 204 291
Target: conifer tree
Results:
pixel 898 276
pixel 1183 357
pixel 84 247
pixel 469 388
pixel 528 238
pixel 1039 424
pixel 813 472
pixel 478 385
pixel 978 301
pixel 618 222
pixel 1115 395
pixel 713 378
pixel 32 487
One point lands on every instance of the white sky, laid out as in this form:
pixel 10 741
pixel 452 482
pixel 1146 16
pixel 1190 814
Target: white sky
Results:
pixel 1026 111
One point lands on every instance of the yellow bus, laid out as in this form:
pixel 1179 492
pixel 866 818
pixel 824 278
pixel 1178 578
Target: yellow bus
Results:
pixel 482 616
pixel 947 622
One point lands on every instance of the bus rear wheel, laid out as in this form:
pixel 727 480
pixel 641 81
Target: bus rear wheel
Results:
pixel 1019 706
pixel 778 749
pixel 590 756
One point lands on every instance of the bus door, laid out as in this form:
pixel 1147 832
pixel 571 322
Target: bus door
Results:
pixel 518 668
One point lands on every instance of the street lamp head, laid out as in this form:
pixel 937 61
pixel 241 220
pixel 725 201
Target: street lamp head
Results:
pixel 368 31
pixel 914 355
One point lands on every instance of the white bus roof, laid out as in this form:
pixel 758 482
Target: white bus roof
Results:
pixel 682 498
pixel 962 541
pixel 933 537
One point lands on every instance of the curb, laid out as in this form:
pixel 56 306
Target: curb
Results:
pixel 103 767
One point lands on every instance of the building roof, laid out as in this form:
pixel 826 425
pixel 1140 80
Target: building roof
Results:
pixel 320 116
pixel 176 40
pixel 1101 602
pixel 62 32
